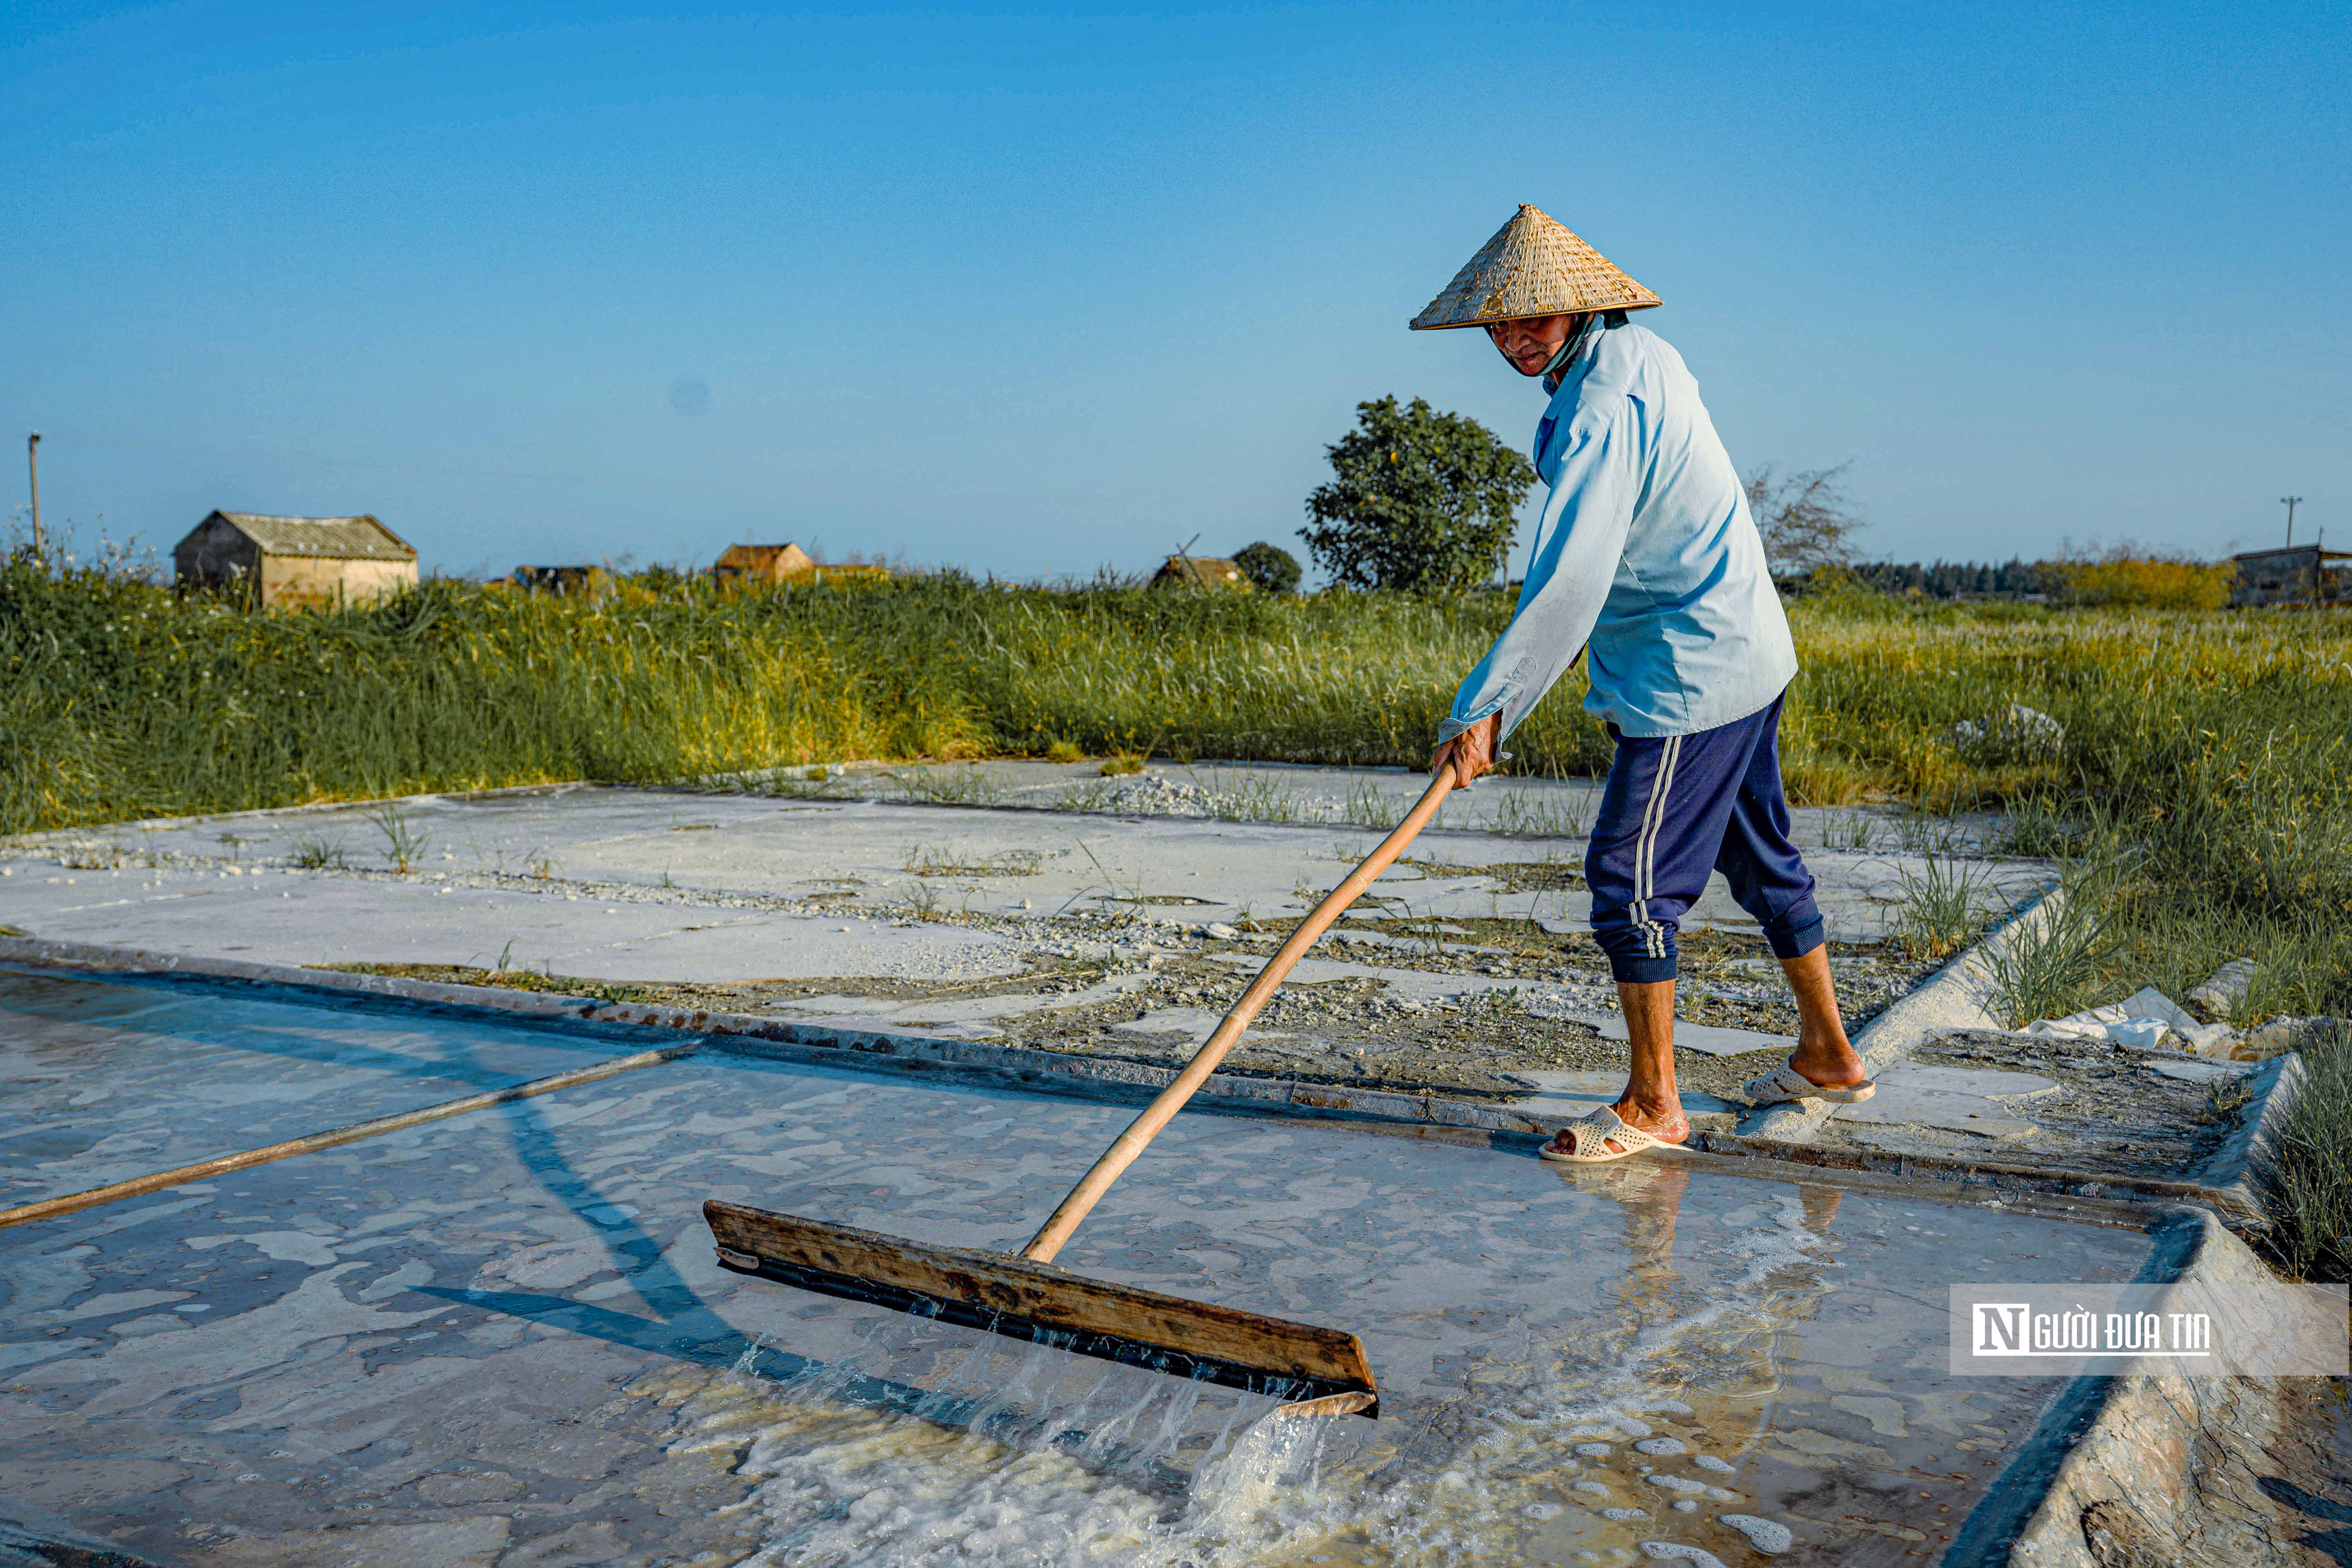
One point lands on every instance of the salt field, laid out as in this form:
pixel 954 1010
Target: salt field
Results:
pixel 503 1337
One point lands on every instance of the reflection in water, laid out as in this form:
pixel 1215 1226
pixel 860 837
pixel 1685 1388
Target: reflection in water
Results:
pixel 1631 1418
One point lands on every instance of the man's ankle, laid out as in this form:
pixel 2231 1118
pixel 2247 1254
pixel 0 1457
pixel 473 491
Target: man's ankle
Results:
pixel 1830 1066
pixel 1811 1047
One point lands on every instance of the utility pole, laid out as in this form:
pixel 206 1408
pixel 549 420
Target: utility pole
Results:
pixel 33 466
pixel 2287 501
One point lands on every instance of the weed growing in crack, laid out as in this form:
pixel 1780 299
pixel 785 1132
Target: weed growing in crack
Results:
pixel 2042 969
pixel 1253 797
pixel 1538 814
pixel 942 861
pixel 947 787
pixel 403 841
pixel 1944 907
pixel 1848 830
pixel 1127 890
pixel 313 853
pixel 1366 805
pixel 1922 833
pixel 1087 795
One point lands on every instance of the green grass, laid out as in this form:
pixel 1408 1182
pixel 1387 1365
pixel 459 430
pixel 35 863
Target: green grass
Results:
pixel 942 861
pixel 316 852
pixel 403 841
pixel 2204 780
pixel 1944 907
pixel 2310 1183
pixel 2048 967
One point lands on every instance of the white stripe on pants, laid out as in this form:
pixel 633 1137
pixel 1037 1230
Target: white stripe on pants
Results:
pixel 1645 849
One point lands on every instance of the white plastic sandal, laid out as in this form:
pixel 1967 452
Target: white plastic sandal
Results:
pixel 1785 1083
pixel 1592 1134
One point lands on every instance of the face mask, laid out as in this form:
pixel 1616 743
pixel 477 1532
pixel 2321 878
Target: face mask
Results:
pixel 1551 372
pixel 1598 321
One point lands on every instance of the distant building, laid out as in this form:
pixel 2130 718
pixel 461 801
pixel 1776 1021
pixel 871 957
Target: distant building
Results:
pixel 287 561
pixel 589 580
pixel 787 563
pixel 1200 571
pixel 2301 574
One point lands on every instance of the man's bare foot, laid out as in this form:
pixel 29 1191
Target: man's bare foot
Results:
pixel 1824 1057
pixel 1827 1063
pixel 1666 1123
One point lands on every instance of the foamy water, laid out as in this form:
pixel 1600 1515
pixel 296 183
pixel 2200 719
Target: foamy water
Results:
pixel 931 1444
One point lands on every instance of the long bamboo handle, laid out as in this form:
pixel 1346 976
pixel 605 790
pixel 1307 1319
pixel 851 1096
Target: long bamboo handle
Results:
pixel 1161 1111
pixel 204 1170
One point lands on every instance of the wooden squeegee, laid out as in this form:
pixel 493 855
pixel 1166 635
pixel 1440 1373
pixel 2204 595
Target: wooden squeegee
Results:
pixel 1318 1371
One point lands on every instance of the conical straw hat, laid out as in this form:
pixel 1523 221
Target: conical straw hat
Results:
pixel 1532 267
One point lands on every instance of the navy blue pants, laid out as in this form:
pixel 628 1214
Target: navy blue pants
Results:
pixel 1677 807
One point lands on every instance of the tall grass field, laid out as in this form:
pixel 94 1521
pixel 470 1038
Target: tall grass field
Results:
pixel 2201 789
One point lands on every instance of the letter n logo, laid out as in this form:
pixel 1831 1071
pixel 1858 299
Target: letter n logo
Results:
pixel 2000 1329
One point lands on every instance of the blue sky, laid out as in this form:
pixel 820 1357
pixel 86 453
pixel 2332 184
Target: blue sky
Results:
pixel 1037 290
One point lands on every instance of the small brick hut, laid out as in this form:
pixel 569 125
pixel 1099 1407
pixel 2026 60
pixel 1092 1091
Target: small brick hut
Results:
pixel 787 563
pixel 293 561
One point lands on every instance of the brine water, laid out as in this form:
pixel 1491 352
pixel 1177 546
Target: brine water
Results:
pixel 1571 1442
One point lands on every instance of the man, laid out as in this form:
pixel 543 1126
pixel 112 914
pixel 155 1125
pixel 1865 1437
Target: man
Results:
pixel 1646 559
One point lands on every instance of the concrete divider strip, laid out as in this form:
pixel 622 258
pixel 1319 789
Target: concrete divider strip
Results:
pixel 2271 1091
pixel 2235 1204
pixel 2146 1469
pixel 43 839
pixel 1961 996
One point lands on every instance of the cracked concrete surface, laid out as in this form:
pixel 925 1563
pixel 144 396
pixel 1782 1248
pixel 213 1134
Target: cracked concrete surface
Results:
pixel 864 898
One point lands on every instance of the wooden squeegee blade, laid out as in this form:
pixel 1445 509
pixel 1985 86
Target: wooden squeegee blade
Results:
pixel 1037 1301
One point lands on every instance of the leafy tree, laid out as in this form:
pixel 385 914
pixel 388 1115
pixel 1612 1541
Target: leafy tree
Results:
pixel 1270 568
pixel 1418 501
pixel 1962 579
pixel 1806 519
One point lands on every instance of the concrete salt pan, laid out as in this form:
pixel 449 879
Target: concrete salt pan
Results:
pixel 691 856
pixel 554 1249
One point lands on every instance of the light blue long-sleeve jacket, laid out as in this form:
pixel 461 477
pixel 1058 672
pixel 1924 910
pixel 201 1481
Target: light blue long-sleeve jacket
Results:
pixel 1646 555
